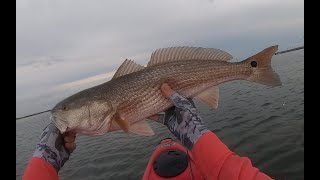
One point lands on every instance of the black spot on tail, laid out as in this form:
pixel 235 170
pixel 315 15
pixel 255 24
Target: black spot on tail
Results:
pixel 253 63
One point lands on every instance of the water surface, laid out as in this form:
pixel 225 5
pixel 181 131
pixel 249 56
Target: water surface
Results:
pixel 263 123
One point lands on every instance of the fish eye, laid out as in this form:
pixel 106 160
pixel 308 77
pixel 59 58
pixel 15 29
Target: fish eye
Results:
pixel 64 108
pixel 253 63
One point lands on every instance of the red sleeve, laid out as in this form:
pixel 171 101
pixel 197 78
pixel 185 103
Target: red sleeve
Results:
pixel 40 169
pixel 216 161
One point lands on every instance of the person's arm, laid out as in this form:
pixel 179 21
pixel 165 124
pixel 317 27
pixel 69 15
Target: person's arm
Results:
pixel 52 151
pixel 213 157
pixel 216 161
pixel 39 168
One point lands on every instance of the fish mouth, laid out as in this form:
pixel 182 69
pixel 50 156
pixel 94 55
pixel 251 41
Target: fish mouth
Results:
pixel 59 123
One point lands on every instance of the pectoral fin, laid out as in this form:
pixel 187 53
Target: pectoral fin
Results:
pixel 124 124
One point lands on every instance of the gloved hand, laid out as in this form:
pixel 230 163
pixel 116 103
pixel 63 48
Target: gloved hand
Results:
pixel 55 147
pixel 182 119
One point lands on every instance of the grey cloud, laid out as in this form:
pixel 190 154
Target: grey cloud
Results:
pixel 92 27
pixel 63 41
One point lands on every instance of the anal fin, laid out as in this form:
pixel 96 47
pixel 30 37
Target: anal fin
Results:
pixel 210 97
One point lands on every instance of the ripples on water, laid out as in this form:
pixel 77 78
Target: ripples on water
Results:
pixel 263 123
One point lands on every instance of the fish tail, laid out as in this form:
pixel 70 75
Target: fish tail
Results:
pixel 262 71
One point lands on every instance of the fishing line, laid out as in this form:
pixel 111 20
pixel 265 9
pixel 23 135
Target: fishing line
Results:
pixel 33 114
pixel 279 52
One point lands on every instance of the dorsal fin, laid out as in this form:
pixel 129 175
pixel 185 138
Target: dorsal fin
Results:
pixel 127 67
pixel 162 55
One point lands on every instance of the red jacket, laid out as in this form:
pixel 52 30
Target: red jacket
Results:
pixel 216 161
pixel 213 158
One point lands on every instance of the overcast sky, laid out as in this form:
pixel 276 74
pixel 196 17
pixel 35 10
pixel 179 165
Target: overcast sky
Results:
pixel 66 46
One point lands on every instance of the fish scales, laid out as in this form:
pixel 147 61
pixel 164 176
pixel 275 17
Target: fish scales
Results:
pixel 134 93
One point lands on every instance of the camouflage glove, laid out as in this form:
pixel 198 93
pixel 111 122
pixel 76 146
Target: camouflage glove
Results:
pixel 51 147
pixel 183 121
